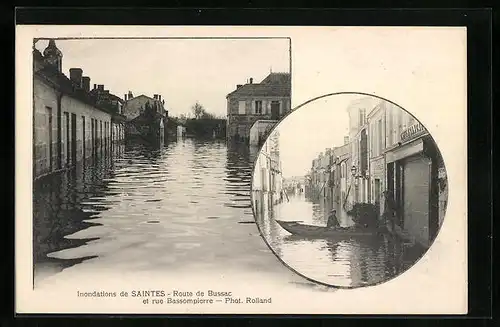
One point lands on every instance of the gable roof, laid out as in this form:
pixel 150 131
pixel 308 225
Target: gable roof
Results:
pixel 275 84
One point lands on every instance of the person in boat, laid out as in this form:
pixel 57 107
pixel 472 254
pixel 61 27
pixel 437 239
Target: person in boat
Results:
pixel 332 220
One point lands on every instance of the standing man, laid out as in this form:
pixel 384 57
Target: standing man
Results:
pixel 332 220
pixel 389 208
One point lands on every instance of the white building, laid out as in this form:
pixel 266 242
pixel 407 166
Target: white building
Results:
pixel 267 179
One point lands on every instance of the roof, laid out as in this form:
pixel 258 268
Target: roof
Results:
pixel 275 84
pixel 51 75
pixel 277 78
pixel 150 99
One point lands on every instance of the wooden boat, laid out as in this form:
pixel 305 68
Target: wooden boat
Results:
pixel 296 228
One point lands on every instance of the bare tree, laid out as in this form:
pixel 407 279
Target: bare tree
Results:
pixel 198 110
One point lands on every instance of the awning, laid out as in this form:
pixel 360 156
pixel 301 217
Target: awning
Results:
pixel 404 151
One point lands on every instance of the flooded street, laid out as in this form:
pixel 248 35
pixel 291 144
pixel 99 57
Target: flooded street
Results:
pixel 354 262
pixel 184 207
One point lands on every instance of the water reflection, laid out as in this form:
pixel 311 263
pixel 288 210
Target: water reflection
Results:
pixel 185 205
pixel 354 262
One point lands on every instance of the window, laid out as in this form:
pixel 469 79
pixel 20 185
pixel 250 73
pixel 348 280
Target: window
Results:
pixel 258 107
pixel 380 138
pixel 66 125
pixel 241 107
pixel 362 117
pixel 390 125
pixel 83 136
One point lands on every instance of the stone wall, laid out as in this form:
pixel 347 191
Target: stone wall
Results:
pixel 102 121
pixel 46 139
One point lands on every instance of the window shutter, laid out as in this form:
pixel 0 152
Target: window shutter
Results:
pixel 253 107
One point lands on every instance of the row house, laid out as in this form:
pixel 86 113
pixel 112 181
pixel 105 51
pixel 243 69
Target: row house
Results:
pixel 70 123
pixel 253 108
pixel 267 178
pixel 340 175
pixel 358 136
pixel 415 175
pixel 396 164
pixel 388 160
pixel 321 174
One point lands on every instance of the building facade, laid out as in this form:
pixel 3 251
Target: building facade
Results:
pixel 69 123
pixel 268 180
pixel 376 147
pixel 146 117
pixel 358 136
pixel 388 160
pixel 415 176
pixel 267 100
pixel 339 182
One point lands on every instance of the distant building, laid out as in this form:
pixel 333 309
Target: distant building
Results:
pixel 268 100
pixel 134 106
pixel 339 175
pixel 146 116
pixel 70 123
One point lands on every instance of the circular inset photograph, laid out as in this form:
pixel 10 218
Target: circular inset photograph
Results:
pixel 349 190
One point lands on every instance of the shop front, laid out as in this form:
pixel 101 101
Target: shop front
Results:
pixel 412 181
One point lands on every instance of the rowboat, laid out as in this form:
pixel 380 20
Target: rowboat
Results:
pixel 299 229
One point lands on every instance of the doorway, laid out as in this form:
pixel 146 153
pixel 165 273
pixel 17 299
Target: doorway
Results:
pixel 48 111
pixel 73 139
pixel 67 138
pixel 377 194
pixel 83 138
pixel 275 110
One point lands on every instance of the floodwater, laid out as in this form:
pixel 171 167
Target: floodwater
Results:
pixel 354 262
pixel 182 207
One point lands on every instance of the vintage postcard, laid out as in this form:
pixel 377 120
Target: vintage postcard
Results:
pixel 241 170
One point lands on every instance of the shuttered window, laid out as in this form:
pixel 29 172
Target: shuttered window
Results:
pixel 241 107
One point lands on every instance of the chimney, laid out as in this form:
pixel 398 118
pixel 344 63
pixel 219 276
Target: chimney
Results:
pixel 159 97
pixel 86 83
pixel 95 86
pixel 130 95
pixel 100 87
pixel 251 80
pixel 75 75
pixel 155 96
pixel 346 139
pixel 238 86
pixel 125 97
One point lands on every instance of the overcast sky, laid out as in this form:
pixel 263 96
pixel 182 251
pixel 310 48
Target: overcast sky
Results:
pixel 311 129
pixel 183 71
